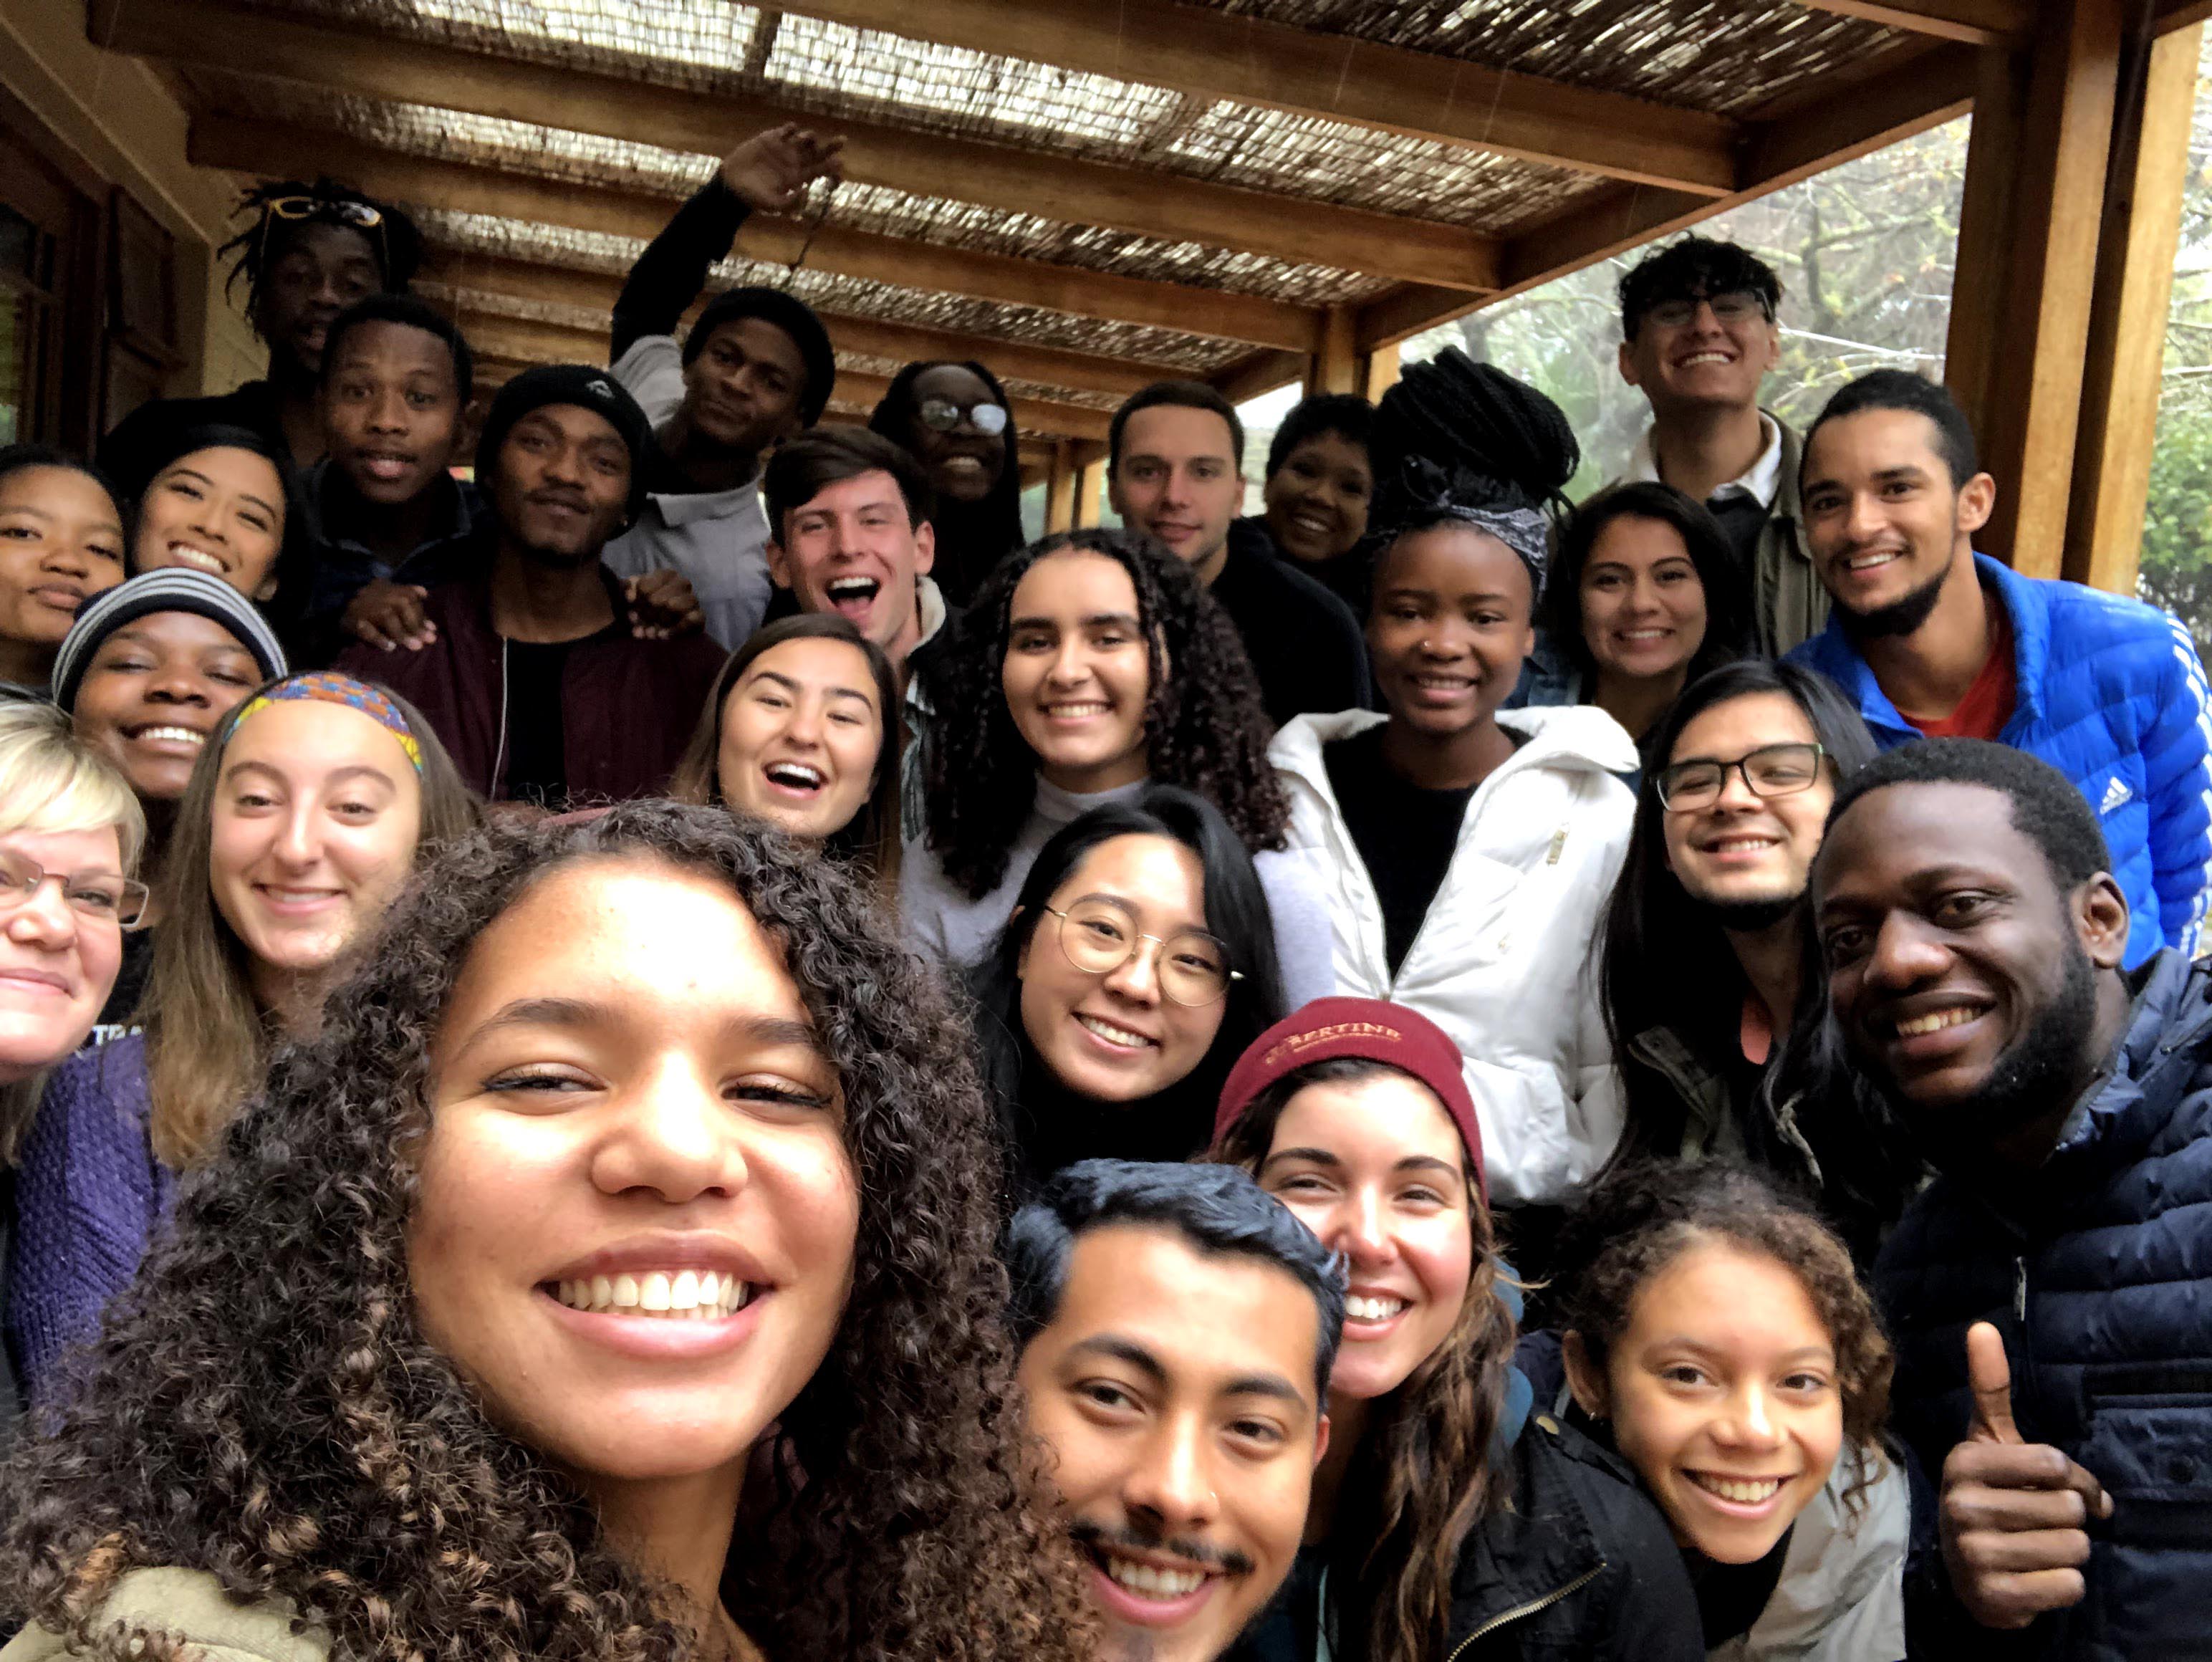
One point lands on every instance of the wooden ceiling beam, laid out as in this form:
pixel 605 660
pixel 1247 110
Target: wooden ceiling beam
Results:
pixel 364 63
pixel 1198 50
pixel 246 146
pixel 530 340
pixel 877 338
pixel 1970 22
pixel 1804 138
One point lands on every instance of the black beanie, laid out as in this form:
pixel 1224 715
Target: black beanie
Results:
pixel 587 388
pixel 788 313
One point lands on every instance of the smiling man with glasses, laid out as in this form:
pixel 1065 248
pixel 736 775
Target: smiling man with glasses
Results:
pixel 1699 333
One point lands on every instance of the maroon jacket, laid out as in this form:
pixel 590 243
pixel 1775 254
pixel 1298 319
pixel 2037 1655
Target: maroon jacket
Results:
pixel 627 706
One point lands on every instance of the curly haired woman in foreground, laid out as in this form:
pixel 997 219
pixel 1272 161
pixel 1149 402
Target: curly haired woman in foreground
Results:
pixel 638 1136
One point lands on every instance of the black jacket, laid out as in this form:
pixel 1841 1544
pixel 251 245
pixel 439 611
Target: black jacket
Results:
pixel 1581 1566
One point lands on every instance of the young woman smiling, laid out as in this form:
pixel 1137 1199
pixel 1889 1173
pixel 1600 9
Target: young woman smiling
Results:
pixel 635 1143
pixel 306 813
pixel 957 422
pixel 1318 487
pixel 1466 854
pixel 1718 1337
pixel 61 543
pixel 1089 665
pixel 222 500
pixel 1443 1523
pixel 1643 597
pixel 145 674
pixel 802 728
pixel 1139 963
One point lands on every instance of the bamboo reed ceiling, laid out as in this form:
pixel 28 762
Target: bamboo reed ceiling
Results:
pixel 1160 186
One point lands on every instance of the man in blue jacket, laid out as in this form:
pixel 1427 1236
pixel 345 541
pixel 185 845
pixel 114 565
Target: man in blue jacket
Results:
pixel 2050 1294
pixel 1932 640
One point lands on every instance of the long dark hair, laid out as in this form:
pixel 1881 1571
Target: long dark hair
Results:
pixel 971 537
pixel 1205 727
pixel 171 442
pixel 1664 961
pixel 264 1405
pixel 1423 1475
pixel 1727 589
pixel 1235 911
pixel 871 838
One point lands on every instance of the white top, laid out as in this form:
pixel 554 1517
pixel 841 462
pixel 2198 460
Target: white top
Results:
pixel 718 539
pixel 940 919
pixel 1502 960
pixel 1761 481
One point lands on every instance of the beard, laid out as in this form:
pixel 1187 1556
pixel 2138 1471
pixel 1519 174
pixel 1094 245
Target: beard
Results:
pixel 1902 615
pixel 2029 1078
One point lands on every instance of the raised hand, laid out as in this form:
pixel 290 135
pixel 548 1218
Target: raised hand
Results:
pixel 389 615
pixel 771 170
pixel 2015 1514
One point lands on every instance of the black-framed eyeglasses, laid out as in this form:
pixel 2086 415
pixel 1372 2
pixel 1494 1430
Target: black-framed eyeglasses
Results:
pixel 104 896
pixel 1098 937
pixel 943 415
pixel 1769 770
pixel 1736 305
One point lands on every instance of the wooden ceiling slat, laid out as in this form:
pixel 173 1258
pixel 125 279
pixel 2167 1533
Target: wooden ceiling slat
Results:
pixel 528 340
pixel 1218 55
pixel 253 147
pixel 875 338
pixel 1973 22
pixel 357 63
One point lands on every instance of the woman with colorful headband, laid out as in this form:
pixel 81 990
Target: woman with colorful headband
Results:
pixel 305 815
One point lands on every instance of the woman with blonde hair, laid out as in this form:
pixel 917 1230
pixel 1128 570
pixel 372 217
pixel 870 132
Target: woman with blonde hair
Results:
pixel 66 814
pixel 310 807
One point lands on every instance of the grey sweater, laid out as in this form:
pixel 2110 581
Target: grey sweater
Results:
pixel 940 920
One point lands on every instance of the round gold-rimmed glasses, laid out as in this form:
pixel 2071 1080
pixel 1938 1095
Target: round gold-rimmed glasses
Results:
pixel 1097 935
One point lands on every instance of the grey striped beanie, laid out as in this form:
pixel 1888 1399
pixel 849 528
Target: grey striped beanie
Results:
pixel 172 588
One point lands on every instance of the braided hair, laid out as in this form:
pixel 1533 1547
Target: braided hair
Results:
pixel 393 240
pixel 1205 728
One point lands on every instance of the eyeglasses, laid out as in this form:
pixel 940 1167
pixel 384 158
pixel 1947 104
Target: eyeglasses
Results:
pixel 1737 306
pixel 101 896
pixel 1098 938
pixel 942 416
pixel 1769 770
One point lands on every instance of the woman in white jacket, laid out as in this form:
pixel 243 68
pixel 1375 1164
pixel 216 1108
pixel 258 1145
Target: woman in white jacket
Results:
pixel 1468 855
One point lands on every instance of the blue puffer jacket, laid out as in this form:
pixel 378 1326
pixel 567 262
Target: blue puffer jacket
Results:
pixel 2098 1269
pixel 2111 693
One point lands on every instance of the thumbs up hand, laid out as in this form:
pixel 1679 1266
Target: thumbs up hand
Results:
pixel 2013 1514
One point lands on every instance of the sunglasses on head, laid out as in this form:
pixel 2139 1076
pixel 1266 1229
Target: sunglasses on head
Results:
pixel 337 210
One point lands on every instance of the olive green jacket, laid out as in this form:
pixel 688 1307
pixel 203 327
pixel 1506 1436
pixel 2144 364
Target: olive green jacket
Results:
pixel 189 1605
pixel 1789 606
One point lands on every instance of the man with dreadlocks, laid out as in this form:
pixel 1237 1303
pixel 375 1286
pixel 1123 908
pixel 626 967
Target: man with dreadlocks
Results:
pixel 309 251
pixel 1468 852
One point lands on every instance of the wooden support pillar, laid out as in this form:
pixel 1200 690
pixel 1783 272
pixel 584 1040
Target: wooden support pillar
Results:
pixel 2020 306
pixel 1090 481
pixel 1378 371
pixel 1336 367
pixel 2127 332
pixel 1060 489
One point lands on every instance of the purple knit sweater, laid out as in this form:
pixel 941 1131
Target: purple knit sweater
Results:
pixel 89 1193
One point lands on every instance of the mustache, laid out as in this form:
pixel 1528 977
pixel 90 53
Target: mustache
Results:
pixel 1086 1533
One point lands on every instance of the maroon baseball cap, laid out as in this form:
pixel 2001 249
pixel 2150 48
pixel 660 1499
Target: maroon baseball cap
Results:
pixel 1374 1030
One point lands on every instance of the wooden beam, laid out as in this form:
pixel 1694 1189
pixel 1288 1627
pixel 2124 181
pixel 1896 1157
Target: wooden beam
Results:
pixel 1089 482
pixel 246 146
pixel 1060 490
pixel 595 291
pixel 364 63
pixel 2127 334
pixel 2044 145
pixel 1806 136
pixel 1210 54
pixel 1974 22
pixel 1257 372
pixel 1336 367
pixel 529 340
pixel 1379 371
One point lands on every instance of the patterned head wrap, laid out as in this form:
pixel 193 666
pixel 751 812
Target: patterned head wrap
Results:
pixel 329 687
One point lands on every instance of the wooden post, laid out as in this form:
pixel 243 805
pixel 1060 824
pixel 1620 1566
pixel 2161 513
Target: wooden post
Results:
pixel 1060 489
pixel 2127 334
pixel 1090 481
pixel 1378 371
pixel 2027 268
pixel 1336 367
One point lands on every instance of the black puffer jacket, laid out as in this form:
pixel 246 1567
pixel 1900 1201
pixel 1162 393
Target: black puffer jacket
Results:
pixel 1580 1566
